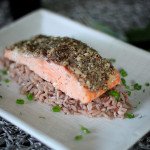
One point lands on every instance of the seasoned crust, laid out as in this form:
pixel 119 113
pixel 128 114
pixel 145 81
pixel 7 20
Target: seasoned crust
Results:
pixel 91 70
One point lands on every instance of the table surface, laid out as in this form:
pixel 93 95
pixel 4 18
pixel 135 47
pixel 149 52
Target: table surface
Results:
pixel 11 137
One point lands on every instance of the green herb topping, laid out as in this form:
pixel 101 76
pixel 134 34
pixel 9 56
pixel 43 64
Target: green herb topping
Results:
pixel 147 84
pixel 115 94
pixel 6 80
pixel 30 96
pixel 20 101
pixel 123 81
pixel 127 87
pixel 78 137
pixel 137 86
pixel 129 115
pixel 56 108
pixel 3 72
pixel 123 73
pixel 85 130
pixel 1 96
pixel 129 93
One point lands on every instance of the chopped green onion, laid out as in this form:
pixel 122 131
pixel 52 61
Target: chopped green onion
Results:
pixel 112 60
pixel 127 87
pixel 78 137
pixel 1 96
pixel 85 130
pixel 129 93
pixel 30 96
pixel 4 72
pixel 115 94
pixel 20 101
pixel 147 84
pixel 137 86
pixel 129 115
pixel 56 109
pixel 6 80
pixel 123 73
pixel 123 81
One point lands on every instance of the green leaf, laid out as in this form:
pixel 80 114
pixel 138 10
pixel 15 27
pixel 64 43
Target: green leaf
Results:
pixel 115 94
pixel 129 115
pixel 85 130
pixel 30 96
pixel 6 80
pixel 137 86
pixel 20 101
pixel 56 108
pixel 78 137
pixel 3 72
pixel 147 84
pixel 123 73
pixel 129 93
pixel 123 81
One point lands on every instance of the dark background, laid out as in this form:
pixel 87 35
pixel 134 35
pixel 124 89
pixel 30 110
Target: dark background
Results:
pixel 128 20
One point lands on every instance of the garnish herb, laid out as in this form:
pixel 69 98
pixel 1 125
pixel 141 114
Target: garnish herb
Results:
pixel 78 137
pixel 123 73
pixel 129 93
pixel 30 96
pixel 123 81
pixel 85 130
pixel 129 115
pixel 3 72
pixel 115 94
pixel 137 86
pixel 127 87
pixel 147 84
pixel 20 101
pixel 56 108
pixel 1 96
pixel 6 80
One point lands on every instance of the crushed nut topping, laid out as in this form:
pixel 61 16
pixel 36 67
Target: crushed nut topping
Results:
pixel 91 70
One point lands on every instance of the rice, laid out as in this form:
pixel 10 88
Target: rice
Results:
pixel 104 106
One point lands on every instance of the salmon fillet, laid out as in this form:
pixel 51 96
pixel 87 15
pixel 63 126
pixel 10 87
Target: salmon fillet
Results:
pixel 70 65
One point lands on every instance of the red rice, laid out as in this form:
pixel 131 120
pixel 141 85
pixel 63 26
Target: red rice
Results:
pixel 104 106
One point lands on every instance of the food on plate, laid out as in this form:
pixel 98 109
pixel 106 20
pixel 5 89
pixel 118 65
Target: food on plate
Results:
pixel 66 72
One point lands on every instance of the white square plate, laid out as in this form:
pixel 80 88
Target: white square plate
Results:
pixel 58 130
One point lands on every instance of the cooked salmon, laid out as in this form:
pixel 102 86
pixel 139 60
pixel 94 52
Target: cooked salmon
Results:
pixel 70 65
